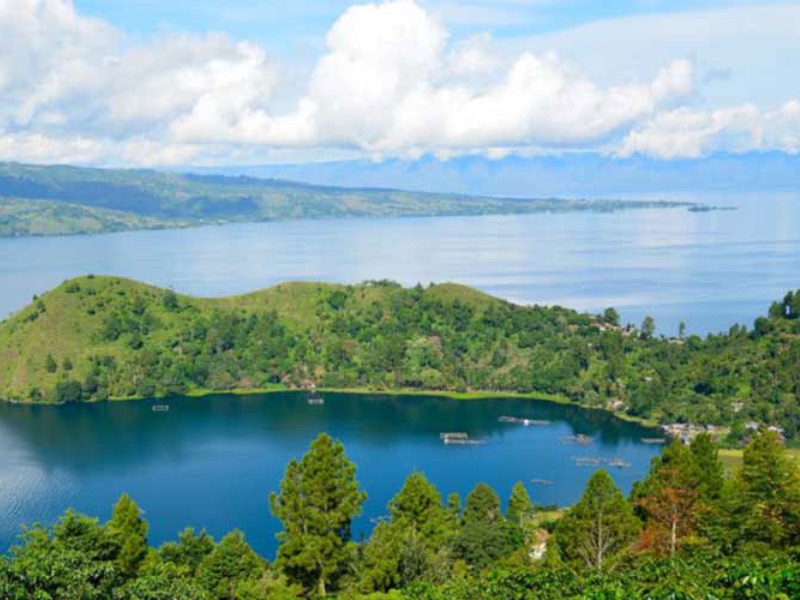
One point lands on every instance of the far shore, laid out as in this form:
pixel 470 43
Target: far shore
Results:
pixel 464 396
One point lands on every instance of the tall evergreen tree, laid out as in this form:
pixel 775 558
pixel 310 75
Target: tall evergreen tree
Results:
pixel 129 531
pixel 189 551
pixel 318 500
pixel 599 526
pixel 482 505
pixel 767 488
pixel 671 499
pixel 406 548
pixel 417 508
pixel 520 505
pixel 707 466
pixel 231 563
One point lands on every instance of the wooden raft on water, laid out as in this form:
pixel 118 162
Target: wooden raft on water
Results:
pixel 459 439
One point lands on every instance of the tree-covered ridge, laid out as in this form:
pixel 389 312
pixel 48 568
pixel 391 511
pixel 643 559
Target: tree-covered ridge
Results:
pixel 142 199
pixel 19 218
pixel 105 337
pixel 686 532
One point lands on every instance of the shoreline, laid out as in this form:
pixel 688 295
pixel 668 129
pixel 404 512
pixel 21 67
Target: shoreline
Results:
pixel 448 394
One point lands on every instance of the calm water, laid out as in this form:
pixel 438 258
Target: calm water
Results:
pixel 709 269
pixel 212 462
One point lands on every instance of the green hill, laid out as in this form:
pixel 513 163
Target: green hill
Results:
pixel 45 200
pixel 99 337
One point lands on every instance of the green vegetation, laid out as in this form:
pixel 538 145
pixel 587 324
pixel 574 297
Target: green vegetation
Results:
pixel 95 338
pixel 318 500
pixel 50 200
pixel 20 218
pixel 685 533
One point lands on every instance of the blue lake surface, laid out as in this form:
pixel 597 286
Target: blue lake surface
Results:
pixel 212 462
pixel 709 269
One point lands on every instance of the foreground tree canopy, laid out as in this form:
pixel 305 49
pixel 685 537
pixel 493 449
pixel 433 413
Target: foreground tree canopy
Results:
pixel 734 538
pixel 119 338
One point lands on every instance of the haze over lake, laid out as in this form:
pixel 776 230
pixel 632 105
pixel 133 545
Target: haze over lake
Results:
pixel 212 462
pixel 709 269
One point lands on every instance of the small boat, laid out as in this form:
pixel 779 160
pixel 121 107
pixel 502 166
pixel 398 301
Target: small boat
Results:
pixel 316 400
pixel 654 441
pixel 161 408
pixel 618 463
pixel 542 481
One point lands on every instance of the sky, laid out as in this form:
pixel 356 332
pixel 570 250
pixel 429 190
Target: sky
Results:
pixel 202 82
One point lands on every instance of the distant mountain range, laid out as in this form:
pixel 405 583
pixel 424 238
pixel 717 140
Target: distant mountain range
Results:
pixel 576 175
pixel 53 200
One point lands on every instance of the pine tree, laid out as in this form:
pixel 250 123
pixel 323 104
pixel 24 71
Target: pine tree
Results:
pixel 129 531
pixel 767 489
pixel 708 469
pixel 230 564
pixel 520 505
pixel 671 499
pixel 318 500
pixel 405 549
pixel 599 526
pixel 482 505
pixel 417 508
pixel 190 549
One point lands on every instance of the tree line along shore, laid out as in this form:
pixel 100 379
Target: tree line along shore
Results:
pixel 96 338
pixel 686 531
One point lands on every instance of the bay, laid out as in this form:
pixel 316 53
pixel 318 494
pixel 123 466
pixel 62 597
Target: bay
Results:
pixel 212 462
pixel 708 269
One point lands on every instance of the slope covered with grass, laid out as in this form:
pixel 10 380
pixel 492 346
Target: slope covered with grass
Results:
pixel 98 337
pixel 66 200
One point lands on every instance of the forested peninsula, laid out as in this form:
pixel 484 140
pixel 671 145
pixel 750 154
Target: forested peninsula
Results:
pixel 101 337
pixel 62 200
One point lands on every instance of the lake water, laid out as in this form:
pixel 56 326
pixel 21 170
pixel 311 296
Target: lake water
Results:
pixel 708 269
pixel 212 462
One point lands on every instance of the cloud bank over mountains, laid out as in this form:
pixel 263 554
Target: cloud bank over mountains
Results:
pixel 391 82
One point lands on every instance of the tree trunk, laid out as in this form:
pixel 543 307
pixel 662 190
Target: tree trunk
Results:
pixel 673 536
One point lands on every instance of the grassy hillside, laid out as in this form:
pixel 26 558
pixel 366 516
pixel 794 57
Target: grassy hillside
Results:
pixel 99 337
pixel 65 200
pixel 20 218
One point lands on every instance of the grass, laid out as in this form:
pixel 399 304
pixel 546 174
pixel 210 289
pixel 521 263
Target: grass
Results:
pixel 67 200
pixel 732 457
pixel 66 321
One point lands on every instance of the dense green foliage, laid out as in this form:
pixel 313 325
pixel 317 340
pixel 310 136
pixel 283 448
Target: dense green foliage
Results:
pixel 123 339
pixel 47 200
pixel 318 500
pixel 20 218
pixel 743 543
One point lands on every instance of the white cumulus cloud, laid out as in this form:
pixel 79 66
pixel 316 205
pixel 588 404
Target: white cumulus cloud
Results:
pixel 391 81
pixel 687 133
pixel 389 84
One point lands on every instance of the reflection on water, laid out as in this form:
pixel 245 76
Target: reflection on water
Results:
pixel 709 269
pixel 213 462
